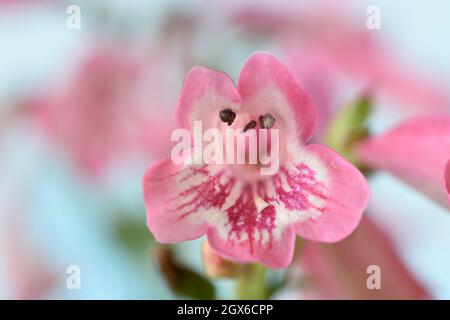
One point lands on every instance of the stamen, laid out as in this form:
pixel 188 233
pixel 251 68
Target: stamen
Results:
pixel 250 125
pixel 227 115
pixel 266 121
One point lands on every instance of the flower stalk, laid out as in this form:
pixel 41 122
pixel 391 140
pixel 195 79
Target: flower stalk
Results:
pixel 251 282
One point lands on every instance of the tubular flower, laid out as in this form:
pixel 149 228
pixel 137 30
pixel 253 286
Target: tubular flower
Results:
pixel 100 115
pixel 247 216
pixel 341 271
pixel 417 152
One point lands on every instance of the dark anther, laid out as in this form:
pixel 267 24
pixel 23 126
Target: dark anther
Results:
pixel 227 115
pixel 250 125
pixel 266 121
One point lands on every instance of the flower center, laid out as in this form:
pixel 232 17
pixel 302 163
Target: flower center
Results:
pixel 227 115
pixel 253 146
pixel 266 121
pixel 250 125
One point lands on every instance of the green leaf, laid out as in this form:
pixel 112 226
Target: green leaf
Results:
pixel 194 285
pixel 350 127
pixel 251 282
pixel 181 279
pixel 134 235
pixel 276 282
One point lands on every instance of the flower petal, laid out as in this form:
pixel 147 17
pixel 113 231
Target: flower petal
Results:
pixel 416 152
pixel 338 271
pixel 162 194
pixel 205 92
pixel 339 199
pixel 321 195
pixel 273 252
pixel 266 86
pixel 313 69
pixel 186 201
pixel 215 265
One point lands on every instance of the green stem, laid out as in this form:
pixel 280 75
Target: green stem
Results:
pixel 251 282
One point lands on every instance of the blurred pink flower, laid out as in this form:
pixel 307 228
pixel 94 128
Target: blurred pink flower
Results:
pixel 367 60
pixel 315 194
pixel 215 265
pixel 11 3
pixel 29 276
pixel 103 112
pixel 347 53
pixel 359 57
pixel 317 74
pixel 417 151
pixel 339 271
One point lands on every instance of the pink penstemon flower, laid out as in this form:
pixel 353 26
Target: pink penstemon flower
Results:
pixel 326 53
pixel 101 114
pixel 339 271
pixel 85 114
pixel 315 194
pixel 417 152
